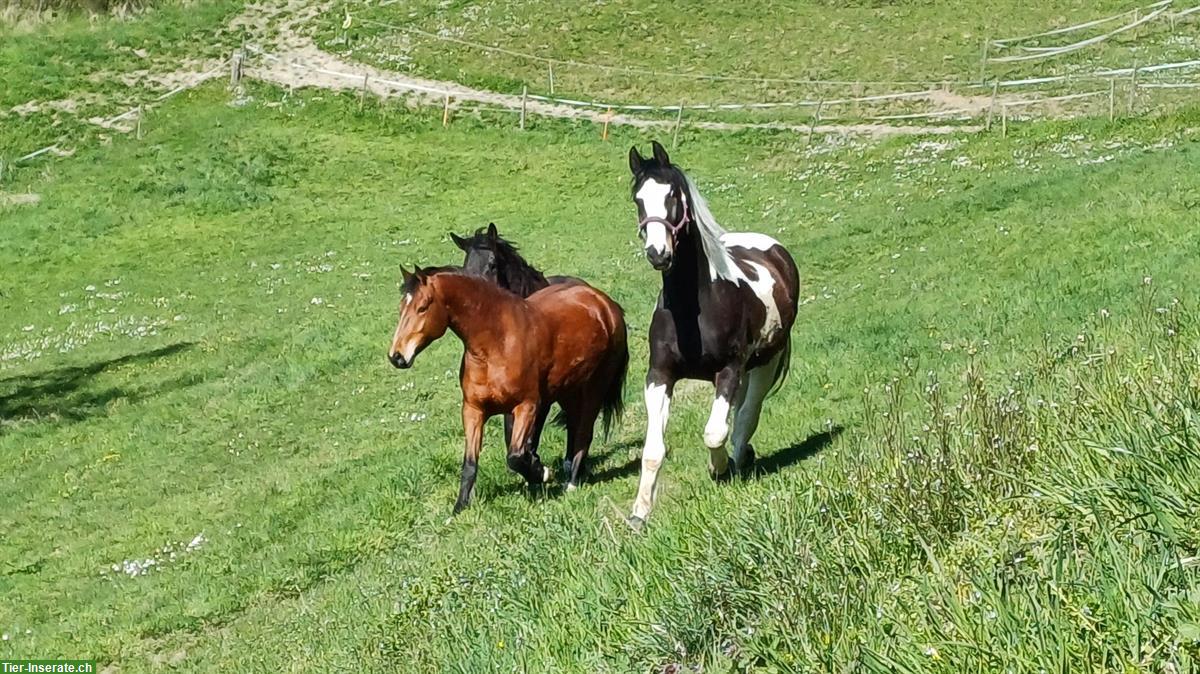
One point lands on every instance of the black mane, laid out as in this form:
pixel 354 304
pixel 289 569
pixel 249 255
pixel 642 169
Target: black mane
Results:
pixel 514 272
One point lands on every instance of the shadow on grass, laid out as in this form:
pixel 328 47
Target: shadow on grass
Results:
pixel 67 395
pixel 789 456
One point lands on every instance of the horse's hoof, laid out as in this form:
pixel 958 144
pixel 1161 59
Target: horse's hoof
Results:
pixel 724 476
pixel 746 464
pixel 571 486
pixel 636 523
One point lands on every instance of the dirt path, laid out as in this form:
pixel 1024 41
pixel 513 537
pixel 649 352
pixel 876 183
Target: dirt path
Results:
pixel 283 55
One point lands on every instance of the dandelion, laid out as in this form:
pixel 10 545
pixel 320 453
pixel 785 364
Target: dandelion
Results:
pixel 932 652
pixel 1146 280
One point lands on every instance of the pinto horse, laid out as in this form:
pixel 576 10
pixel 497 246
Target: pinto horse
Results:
pixel 724 314
pixel 565 344
pixel 498 260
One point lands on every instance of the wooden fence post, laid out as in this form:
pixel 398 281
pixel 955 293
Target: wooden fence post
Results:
pixel 1133 85
pixel 362 95
pixel 524 97
pixel 140 111
pixel 551 66
pixel 1137 16
pixel 235 68
pixel 607 118
pixel 992 105
pixel 987 43
pixel 1112 100
pixel 446 113
pixel 678 121
pixel 816 118
pixel 1004 121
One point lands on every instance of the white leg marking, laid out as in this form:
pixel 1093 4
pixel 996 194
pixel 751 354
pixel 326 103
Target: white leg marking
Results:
pixel 658 408
pixel 745 420
pixel 715 432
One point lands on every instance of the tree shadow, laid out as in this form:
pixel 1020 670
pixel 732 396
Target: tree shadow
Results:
pixel 66 395
pixel 800 451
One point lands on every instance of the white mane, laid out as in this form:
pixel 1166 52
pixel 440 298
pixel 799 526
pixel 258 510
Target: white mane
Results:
pixel 720 262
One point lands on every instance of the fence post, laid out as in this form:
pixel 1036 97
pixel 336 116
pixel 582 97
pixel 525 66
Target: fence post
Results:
pixel 362 95
pixel 1137 16
pixel 607 119
pixel 678 121
pixel 138 133
pixel 551 66
pixel 1004 121
pixel 524 97
pixel 1133 85
pixel 992 105
pixel 987 43
pixel 1112 100
pixel 235 68
pixel 446 113
pixel 816 118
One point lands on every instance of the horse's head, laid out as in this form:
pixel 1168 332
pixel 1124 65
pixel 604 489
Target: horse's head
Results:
pixel 660 192
pixel 483 253
pixel 423 318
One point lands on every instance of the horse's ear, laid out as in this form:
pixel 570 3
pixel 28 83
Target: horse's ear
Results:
pixel 458 241
pixel 660 153
pixel 493 233
pixel 635 160
pixel 405 274
pixel 420 274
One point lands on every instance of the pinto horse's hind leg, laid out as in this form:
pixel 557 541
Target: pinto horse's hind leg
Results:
pixel 521 458
pixel 745 420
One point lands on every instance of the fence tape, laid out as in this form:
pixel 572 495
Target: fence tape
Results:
pixel 200 79
pixel 1077 27
pixel 1049 52
pixel 638 71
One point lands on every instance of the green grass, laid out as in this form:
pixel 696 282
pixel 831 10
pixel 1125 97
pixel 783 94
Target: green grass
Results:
pixel 82 63
pixel 924 42
pixel 194 343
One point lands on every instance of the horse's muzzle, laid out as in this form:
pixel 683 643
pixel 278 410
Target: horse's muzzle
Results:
pixel 398 361
pixel 660 260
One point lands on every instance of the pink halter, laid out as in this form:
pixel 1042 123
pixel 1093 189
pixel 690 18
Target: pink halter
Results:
pixel 673 228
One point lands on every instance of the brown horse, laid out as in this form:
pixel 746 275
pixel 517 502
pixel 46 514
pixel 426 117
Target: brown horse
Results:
pixel 564 344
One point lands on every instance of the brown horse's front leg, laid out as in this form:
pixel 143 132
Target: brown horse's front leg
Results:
pixel 473 428
pixel 521 457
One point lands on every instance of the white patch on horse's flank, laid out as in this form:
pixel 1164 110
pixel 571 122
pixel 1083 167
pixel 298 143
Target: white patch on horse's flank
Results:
pixel 748 240
pixel 764 290
pixel 717 428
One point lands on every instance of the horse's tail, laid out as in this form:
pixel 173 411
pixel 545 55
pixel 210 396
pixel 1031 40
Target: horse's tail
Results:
pixel 613 405
pixel 782 369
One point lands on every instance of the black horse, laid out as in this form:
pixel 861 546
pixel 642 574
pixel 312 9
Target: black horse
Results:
pixel 494 258
pixel 724 314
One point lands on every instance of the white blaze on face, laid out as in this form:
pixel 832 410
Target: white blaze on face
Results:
pixel 652 195
pixel 396 346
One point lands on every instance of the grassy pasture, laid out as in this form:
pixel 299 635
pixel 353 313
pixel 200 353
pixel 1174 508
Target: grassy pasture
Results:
pixel 984 460
pixel 887 42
